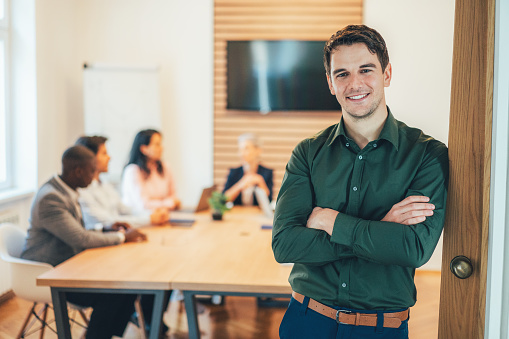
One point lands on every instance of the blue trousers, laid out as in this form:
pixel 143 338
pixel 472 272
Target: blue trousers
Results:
pixel 300 322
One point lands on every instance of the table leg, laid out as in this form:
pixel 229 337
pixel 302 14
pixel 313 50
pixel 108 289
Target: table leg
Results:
pixel 157 313
pixel 61 315
pixel 192 315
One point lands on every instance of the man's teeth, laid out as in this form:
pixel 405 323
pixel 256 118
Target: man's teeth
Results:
pixel 360 96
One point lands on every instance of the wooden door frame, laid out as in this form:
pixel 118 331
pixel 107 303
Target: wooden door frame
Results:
pixel 497 292
pixel 463 301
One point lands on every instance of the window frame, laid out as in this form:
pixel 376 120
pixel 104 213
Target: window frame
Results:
pixel 4 22
pixel 5 37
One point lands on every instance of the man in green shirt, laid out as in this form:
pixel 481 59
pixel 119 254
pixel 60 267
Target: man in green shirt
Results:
pixel 362 205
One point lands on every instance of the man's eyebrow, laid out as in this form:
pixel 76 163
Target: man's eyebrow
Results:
pixel 339 70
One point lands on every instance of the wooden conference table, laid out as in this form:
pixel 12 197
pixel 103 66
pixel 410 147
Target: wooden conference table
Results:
pixel 228 257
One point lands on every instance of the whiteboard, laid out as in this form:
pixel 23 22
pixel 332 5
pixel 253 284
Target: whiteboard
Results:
pixel 118 103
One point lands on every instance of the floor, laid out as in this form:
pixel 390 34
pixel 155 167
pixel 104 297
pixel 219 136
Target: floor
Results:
pixel 239 317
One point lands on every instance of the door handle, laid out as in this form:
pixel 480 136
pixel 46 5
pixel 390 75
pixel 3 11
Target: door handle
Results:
pixel 461 267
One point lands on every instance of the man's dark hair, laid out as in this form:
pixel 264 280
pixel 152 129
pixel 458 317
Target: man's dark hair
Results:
pixel 137 157
pixel 76 156
pixel 353 34
pixel 92 143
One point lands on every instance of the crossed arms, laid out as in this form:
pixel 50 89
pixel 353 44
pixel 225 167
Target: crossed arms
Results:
pixel 314 235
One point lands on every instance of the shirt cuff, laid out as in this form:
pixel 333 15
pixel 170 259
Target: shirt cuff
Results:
pixel 344 229
pixel 121 236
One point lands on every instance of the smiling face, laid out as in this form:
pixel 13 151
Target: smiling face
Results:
pixel 358 81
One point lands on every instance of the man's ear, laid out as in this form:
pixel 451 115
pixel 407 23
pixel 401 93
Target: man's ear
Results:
pixel 388 75
pixel 76 172
pixel 331 88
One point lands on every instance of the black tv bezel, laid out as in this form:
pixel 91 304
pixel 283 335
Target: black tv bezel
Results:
pixel 243 110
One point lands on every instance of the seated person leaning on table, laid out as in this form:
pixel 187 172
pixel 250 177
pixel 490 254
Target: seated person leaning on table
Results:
pixel 244 180
pixel 147 182
pixel 101 203
pixel 102 206
pixel 57 233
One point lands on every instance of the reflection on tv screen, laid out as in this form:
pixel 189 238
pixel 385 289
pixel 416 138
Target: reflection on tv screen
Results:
pixel 284 75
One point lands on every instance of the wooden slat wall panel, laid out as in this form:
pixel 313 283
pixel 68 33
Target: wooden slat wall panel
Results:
pixel 270 20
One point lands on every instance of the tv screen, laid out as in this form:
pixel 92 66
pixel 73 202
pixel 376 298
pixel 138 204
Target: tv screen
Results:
pixel 283 75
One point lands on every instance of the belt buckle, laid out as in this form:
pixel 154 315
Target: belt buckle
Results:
pixel 341 311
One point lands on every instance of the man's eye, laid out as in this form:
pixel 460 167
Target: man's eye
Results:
pixel 342 75
pixel 366 70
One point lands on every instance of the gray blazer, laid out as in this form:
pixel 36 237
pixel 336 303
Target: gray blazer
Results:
pixel 56 230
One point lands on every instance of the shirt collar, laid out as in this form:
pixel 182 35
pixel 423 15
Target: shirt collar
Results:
pixel 69 190
pixel 389 131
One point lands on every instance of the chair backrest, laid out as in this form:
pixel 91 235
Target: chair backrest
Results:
pixel 12 239
pixel 23 272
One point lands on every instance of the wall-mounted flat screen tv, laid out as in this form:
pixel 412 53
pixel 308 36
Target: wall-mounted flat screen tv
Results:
pixel 283 75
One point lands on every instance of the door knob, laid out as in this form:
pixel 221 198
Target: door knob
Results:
pixel 461 267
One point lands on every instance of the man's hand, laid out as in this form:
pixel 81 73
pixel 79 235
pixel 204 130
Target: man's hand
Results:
pixel 118 226
pixel 133 235
pixel 160 216
pixel 410 211
pixel 322 219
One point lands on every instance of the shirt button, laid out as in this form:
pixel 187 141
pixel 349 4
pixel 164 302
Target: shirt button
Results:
pixel 355 188
pixel 343 284
pixel 347 144
pixel 375 145
pixel 360 157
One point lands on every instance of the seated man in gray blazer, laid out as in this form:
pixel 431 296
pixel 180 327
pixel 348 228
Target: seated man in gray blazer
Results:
pixel 56 233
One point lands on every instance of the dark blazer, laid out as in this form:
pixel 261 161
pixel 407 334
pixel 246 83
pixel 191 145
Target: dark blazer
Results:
pixel 237 173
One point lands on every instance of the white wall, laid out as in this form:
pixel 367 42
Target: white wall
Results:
pixel 419 37
pixel 175 35
pixel 57 110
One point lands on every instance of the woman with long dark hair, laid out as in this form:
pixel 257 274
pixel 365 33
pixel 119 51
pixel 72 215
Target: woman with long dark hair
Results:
pixel 147 182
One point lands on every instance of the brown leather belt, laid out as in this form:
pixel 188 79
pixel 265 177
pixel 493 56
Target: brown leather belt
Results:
pixel 392 320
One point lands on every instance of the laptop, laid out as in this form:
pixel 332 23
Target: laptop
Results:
pixel 203 203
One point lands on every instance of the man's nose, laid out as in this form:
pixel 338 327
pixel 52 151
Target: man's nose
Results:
pixel 355 82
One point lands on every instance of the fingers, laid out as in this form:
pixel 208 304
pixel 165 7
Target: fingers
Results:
pixel 135 236
pixel 421 207
pixel 410 211
pixel 142 236
pixel 120 226
pixel 412 199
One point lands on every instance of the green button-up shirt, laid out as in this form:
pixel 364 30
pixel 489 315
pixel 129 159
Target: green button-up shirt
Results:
pixel 366 263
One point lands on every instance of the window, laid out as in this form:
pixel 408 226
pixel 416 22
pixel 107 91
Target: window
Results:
pixel 5 156
pixel 3 5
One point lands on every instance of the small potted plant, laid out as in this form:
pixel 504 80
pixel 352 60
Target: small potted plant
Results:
pixel 218 204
